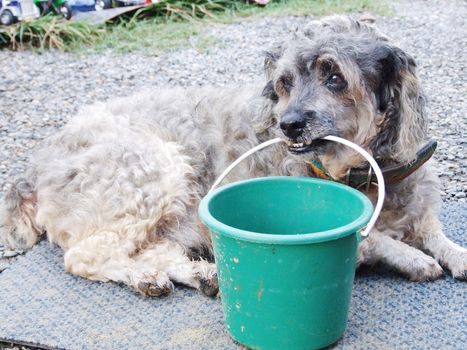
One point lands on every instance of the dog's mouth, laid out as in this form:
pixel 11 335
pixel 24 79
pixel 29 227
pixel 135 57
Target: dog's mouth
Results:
pixel 316 146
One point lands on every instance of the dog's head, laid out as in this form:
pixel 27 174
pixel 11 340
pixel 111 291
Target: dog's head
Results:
pixel 342 77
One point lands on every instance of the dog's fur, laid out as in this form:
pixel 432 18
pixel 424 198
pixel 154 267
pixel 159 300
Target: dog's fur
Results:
pixel 118 187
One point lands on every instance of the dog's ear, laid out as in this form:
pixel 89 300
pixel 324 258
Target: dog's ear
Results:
pixel 400 100
pixel 270 60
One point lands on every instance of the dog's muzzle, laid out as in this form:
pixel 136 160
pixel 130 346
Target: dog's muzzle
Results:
pixel 299 140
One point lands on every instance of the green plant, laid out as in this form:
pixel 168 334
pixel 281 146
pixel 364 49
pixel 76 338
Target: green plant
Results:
pixel 47 32
pixel 149 36
pixel 186 9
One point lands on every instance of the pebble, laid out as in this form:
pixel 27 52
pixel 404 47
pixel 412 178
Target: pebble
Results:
pixel 10 253
pixel 3 266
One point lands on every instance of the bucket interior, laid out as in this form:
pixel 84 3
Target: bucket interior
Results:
pixel 287 205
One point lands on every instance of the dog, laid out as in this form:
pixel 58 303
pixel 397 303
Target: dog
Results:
pixel 118 187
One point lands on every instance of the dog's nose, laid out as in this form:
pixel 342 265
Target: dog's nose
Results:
pixel 292 124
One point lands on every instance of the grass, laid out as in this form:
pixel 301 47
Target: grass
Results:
pixel 48 32
pixel 148 36
pixel 166 25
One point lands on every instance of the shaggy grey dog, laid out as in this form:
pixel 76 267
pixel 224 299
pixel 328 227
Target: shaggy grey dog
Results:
pixel 118 188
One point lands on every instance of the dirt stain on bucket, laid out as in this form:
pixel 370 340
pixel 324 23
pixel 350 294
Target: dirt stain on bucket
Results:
pixel 260 290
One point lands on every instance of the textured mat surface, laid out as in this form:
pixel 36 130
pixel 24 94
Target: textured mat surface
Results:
pixel 40 303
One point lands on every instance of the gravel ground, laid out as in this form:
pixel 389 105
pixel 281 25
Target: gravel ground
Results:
pixel 39 92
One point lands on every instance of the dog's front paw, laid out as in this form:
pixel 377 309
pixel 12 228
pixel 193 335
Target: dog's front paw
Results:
pixel 456 262
pixel 424 268
pixel 207 276
pixel 209 286
pixel 155 285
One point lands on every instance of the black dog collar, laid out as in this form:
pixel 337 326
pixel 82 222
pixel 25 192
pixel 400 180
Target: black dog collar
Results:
pixel 393 174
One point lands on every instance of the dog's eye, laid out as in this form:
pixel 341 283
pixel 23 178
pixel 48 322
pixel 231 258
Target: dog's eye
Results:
pixel 336 82
pixel 284 85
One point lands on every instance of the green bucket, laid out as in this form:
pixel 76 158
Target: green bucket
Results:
pixel 285 250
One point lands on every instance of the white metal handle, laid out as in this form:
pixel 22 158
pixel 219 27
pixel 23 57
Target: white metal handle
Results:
pixel 379 177
pixel 365 154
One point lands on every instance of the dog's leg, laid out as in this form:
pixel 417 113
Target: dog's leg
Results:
pixel 449 254
pixel 105 257
pixel 171 259
pixel 18 227
pixel 380 246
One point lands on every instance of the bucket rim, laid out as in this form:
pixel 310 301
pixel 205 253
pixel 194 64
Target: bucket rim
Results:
pixel 218 227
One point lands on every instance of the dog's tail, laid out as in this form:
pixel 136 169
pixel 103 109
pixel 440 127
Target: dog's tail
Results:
pixel 18 227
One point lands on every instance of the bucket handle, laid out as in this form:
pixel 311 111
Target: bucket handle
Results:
pixel 379 175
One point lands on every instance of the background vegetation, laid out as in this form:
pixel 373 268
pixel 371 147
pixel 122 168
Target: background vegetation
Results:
pixel 165 25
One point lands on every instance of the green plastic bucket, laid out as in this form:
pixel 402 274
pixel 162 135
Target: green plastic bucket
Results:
pixel 285 250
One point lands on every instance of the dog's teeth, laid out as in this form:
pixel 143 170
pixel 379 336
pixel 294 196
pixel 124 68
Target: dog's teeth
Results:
pixel 298 144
